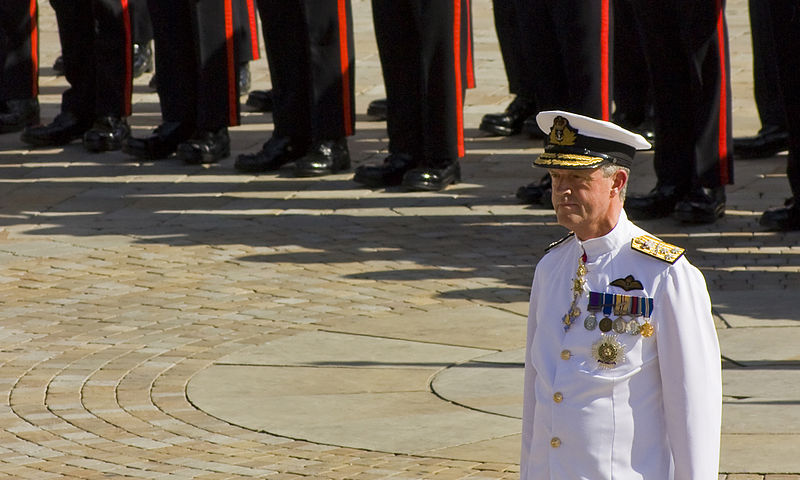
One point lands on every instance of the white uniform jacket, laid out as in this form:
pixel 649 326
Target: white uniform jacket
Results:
pixel 656 415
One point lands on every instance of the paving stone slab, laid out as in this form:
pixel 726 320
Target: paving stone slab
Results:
pixel 413 421
pixel 765 453
pixel 494 388
pixel 771 308
pixel 763 382
pixel 759 347
pixel 498 329
pixel 327 349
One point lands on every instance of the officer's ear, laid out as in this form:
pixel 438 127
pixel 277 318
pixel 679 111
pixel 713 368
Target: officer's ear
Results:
pixel 619 180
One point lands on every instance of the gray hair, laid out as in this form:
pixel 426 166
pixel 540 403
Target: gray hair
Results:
pixel 610 169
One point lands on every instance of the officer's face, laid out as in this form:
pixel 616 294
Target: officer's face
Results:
pixel 586 201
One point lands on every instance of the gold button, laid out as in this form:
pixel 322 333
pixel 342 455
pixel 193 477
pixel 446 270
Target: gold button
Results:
pixel 557 397
pixel 555 442
pixel 565 354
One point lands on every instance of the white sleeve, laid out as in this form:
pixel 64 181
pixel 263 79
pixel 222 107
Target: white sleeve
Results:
pixel 529 397
pixel 690 364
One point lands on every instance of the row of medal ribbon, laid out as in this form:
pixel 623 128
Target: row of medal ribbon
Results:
pixel 622 306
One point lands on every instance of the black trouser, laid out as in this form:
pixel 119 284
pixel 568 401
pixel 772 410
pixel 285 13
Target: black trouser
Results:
pixel 425 74
pixel 786 28
pixel 141 26
pixel 765 66
pixel 511 37
pixel 632 93
pixel 19 72
pixel 311 58
pixel 196 57
pixel 685 42
pixel 96 46
pixel 571 50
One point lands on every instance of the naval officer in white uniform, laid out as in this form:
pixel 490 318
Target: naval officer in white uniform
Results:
pixel 622 365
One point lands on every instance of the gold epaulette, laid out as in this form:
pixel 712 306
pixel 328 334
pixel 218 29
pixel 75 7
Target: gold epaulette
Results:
pixel 559 242
pixel 657 248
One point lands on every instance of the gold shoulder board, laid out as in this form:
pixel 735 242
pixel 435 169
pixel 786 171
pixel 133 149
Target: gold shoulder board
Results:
pixel 559 242
pixel 656 248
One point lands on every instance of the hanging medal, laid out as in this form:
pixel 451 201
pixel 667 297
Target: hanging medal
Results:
pixel 578 284
pixel 605 323
pixel 595 301
pixel 622 307
pixel 647 328
pixel 633 327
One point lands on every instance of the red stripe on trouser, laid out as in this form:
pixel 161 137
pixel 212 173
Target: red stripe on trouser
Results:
pixel 128 79
pixel 470 59
pixel 232 95
pixel 33 15
pixel 723 97
pixel 344 61
pixel 457 64
pixel 605 72
pixel 251 15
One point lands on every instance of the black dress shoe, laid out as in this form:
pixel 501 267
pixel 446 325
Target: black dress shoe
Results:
pixel 142 59
pixel 509 122
pixel 106 134
pixel 58 65
pixel 537 192
pixel 278 151
pixel 378 109
pixel 205 147
pixel 244 78
pixel 782 218
pixel 641 123
pixel 531 128
pixel 15 115
pixel 701 205
pixel 659 203
pixel 324 158
pixel 162 143
pixel 388 174
pixel 260 100
pixel 770 141
pixel 65 128
pixel 433 178
pixel 647 129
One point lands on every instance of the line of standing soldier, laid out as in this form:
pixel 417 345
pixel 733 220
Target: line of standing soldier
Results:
pixel 309 46
pixel 425 51
pixel 683 49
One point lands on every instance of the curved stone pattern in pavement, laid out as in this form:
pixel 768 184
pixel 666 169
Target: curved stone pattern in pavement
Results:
pixel 354 391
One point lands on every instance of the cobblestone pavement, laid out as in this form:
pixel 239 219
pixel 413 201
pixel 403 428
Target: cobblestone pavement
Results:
pixel 120 281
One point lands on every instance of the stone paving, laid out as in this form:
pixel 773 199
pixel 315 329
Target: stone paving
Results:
pixel 162 321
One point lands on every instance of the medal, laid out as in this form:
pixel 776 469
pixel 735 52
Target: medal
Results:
pixel 608 305
pixel 578 284
pixel 633 327
pixel 608 351
pixel 605 325
pixel 647 328
pixel 595 299
pixel 619 325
